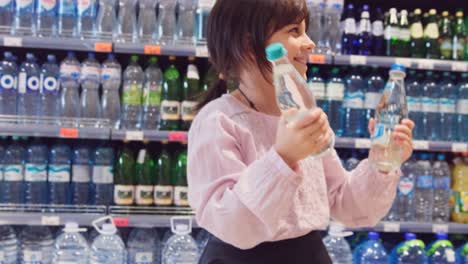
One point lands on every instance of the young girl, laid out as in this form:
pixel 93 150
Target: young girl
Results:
pixel 251 182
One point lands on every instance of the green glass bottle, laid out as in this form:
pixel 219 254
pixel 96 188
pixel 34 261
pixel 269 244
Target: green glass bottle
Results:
pixel 417 34
pixel 392 33
pixel 404 41
pixel 210 78
pixel 180 177
pixel 124 181
pixel 458 37
pixel 164 188
pixel 191 89
pixel 466 39
pixel 446 37
pixel 170 98
pixel 145 178
pixel 431 36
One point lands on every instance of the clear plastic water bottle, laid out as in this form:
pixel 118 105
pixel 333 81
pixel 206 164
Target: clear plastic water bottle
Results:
pixel 315 29
pixel 132 95
pixel 409 251
pixel 335 94
pixel 317 87
pixel 24 18
pixel 372 251
pixel 386 154
pixel 87 14
pixel 37 245
pixel 147 21
pixel 90 80
pixel 111 79
pixel 81 175
pixel 50 97
pixel 127 25
pixel 8 85
pixel 441 184
pixel 152 95
pixel 167 21
pixel 70 70
pixel 430 107
pixel 203 13
pixel 35 175
pixel 71 246
pixel 8 245
pixel 448 107
pixel 375 86
pixel 46 18
pixel 59 174
pixel 106 20
pixel 13 173
pixel 331 29
pixel 143 246
pixel 349 37
pixel 441 251
pixel 353 111
pixel 337 246
pixel 29 88
pixel 181 247
pixel 186 21
pixel 202 240
pixel 406 189
pixel 108 247
pixel 67 18
pixel 414 98
pixel 462 254
pixel 103 176
pixel 424 192
pixel 7 11
pixel 462 108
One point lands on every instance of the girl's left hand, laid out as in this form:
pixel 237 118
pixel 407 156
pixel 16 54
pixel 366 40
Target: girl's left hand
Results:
pixel 403 135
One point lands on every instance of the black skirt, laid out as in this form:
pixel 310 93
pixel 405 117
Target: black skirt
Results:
pixel 307 249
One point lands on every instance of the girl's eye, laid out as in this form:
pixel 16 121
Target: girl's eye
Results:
pixel 294 30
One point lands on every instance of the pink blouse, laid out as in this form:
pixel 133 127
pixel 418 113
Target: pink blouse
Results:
pixel 245 194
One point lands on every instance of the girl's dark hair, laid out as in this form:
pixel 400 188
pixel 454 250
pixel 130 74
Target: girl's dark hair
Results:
pixel 238 31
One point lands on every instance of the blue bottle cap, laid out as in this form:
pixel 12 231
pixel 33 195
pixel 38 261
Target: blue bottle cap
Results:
pixel 8 54
pixel 51 58
pixel 350 6
pixel 410 236
pixel 365 8
pixel 111 56
pixel 424 156
pixel 275 51
pixel 30 56
pixel 440 157
pixel 91 55
pixel 398 67
pixel 373 235
pixel 71 54
pixel 441 236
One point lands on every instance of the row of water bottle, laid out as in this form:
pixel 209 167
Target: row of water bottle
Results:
pixel 34 173
pixel 104 245
pixel 148 21
pixel 437 103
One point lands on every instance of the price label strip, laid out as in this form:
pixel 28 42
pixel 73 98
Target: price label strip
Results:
pixel 103 47
pixel 459 147
pixel 178 136
pixel 357 60
pixel 362 143
pixel 201 52
pixel 152 50
pixel 68 132
pixel 121 221
pixel 460 66
pixel 440 228
pixel 12 42
pixel 317 59
pixel 421 145
pixel 134 135
pixel 391 227
pixel 52 220
pixel 425 64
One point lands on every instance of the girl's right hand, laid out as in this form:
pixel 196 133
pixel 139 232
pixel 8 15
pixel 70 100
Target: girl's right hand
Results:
pixel 309 135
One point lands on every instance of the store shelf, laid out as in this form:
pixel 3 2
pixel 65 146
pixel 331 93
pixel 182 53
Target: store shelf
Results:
pixel 416 227
pixel 362 143
pixel 138 216
pixel 127 135
pixel 49 215
pixel 152 49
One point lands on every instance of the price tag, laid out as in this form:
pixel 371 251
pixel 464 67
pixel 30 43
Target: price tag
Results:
pixel 12 42
pixel 459 147
pixel 103 47
pixel 439 228
pixel 206 3
pixel 152 50
pixel 178 136
pixel 50 220
pixel 459 66
pixel 404 61
pixel 357 60
pixel 317 59
pixel 362 143
pixel 202 52
pixel 421 144
pixel 121 222
pixel 391 227
pixel 134 135
pixel 425 64
pixel 68 132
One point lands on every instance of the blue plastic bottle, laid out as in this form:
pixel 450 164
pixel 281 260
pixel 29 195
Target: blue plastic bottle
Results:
pixel 87 14
pixel 448 107
pixel 46 18
pixel 410 251
pixel 81 175
pixel 414 99
pixel 8 84
pixel 67 18
pixel 335 89
pixel 50 97
pixel 35 175
pixel 353 105
pixel 441 251
pixel 24 18
pixel 375 85
pixel 365 44
pixel 349 38
pixel 317 86
pixel 462 108
pixel 370 251
pixel 13 173
pixel 29 88
pixel 430 107
pixel 462 254
pixel 103 176
pixel 59 174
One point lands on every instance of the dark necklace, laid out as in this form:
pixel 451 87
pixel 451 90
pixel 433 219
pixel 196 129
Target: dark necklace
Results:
pixel 251 104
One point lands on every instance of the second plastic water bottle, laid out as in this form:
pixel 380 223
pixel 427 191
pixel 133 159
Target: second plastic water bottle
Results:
pixel 59 174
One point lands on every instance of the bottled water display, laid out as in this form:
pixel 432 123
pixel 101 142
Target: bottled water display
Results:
pixel 441 185
pixel 7 11
pixel 337 246
pixel 143 246
pixel 35 173
pixel 87 16
pixel 402 209
pixel 133 79
pixel 409 251
pixel 103 176
pixel 29 87
pixel 106 19
pixel 424 192
pixel 127 21
pixel 8 245
pixel 36 244
pixel 371 251
pixel 353 111
pixel 70 70
pixel 167 21
pixel 67 17
pixel 50 100
pixel 71 246
pixel 108 247
pixel 147 21
pixel 46 18
pixel 8 88
pixel 59 174
pixel 13 173
pixel 186 21
pixel 90 80
pixel 81 174
pixel 152 95
pixel 111 78
pixel 24 23
pixel 180 247
pixel 441 251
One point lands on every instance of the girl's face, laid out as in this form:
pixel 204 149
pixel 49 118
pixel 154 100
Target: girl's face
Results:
pixel 297 43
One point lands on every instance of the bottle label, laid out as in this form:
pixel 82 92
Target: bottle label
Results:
pixel 132 94
pixel 446 48
pixel 441 183
pixel 192 72
pixel 35 173
pixel 59 173
pixel 144 258
pixel 405 34
pixel 381 135
pixel 462 106
pixel 417 31
pixel 181 196
pixel 124 194
pixel 80 173
pixel 13 172
pixel 458 46
pixel 163 195
pixel 170 110
pixel 317 89
pixel 350 26
pixel 392 32
pixel 30 84
pixel 414 104
pixel 372 100
pixel 23 4
pixel 424 182
pixel 377 28
pixel 67 7
pixel 90 73
pixel 32 257
pixel 335 91
pixel 447 106
pixel 432 31
pixel 110 74
pixel 152 94
pixel 88 7
pixel 406 187
pixel 103 174
pixel 7 82
pixel 47 5
pixel 429 105
pixel 144 195
pixel 69 72
pixel 188 110
pixel 4 3
pixel 354 100
pixel 461 202
pixel 49 84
